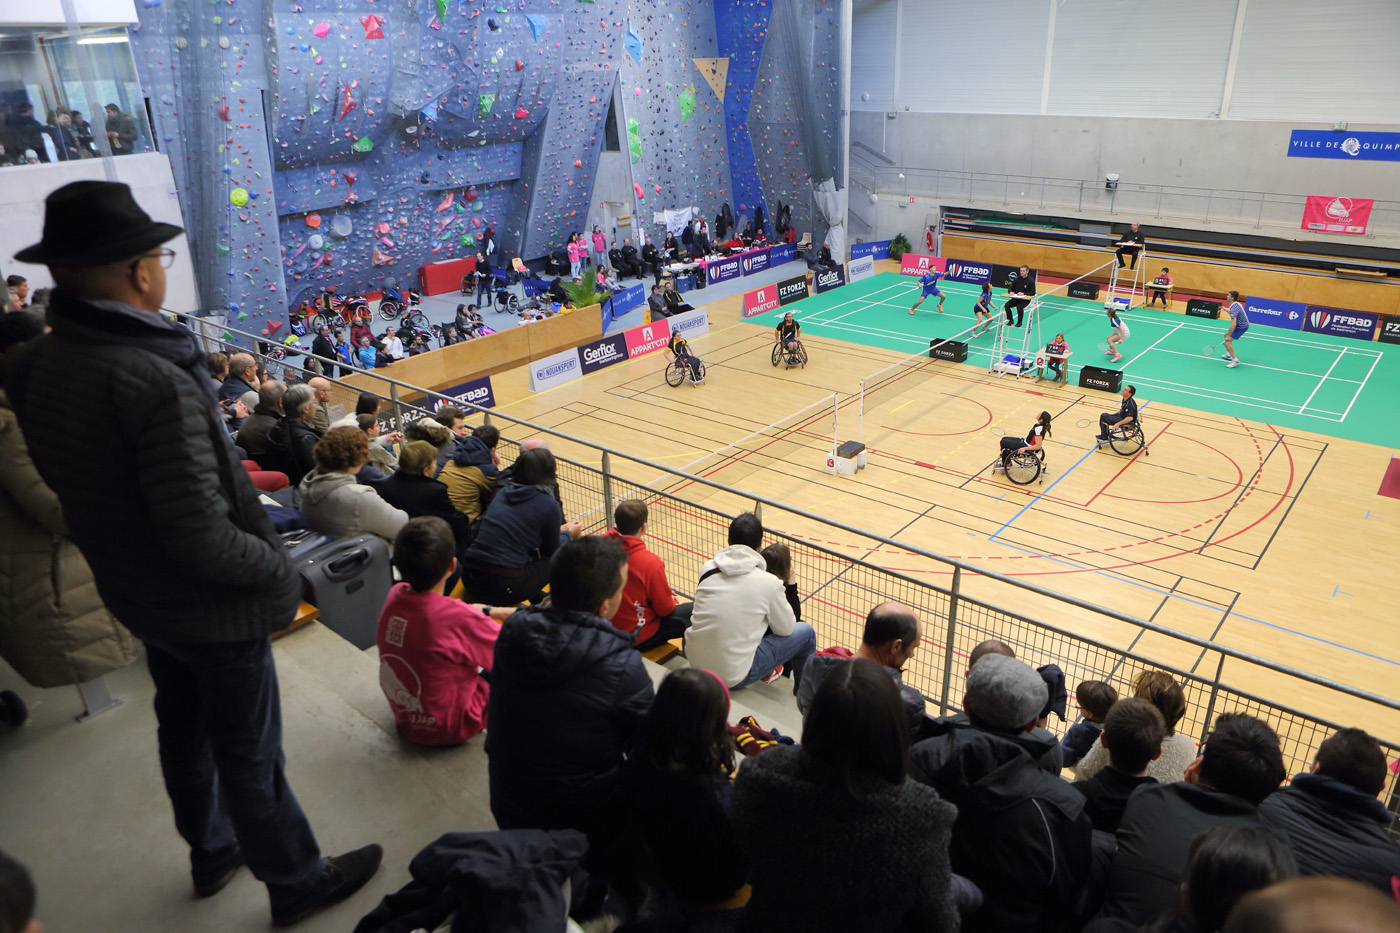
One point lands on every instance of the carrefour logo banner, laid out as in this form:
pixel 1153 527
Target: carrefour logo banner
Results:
pixel 880 249
pixel 1286 314
pixel 777 255
pixel 1339 322
pixel 1331 144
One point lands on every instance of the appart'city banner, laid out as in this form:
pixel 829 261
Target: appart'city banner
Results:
pixel 914 264
pixel 761 299
pixel 1336 215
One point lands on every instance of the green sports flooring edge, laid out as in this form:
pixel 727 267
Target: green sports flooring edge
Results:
pixel 1314 382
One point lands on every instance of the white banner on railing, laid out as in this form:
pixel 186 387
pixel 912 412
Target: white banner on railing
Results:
pixel 862 268
pixel 555 369
pixel 691 323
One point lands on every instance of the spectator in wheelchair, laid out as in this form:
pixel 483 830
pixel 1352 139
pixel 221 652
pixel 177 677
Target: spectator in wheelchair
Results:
pixel 1125 417
pixel 1034 441
pixel 334 503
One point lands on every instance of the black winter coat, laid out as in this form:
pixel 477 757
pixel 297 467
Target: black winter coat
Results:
pixel 568 695
pixel 289 446
pixel 823 861
pixel 152 489
pixel 1334 829
pixel 1022 835
pixel 421 495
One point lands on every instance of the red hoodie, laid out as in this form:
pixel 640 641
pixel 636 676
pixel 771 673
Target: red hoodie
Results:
pixel 647 594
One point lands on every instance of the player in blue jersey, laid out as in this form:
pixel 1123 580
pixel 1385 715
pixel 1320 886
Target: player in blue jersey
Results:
pixel 1239 323
pixel 929 284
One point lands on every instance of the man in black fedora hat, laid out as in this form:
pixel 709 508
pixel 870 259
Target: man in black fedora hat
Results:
pixel 181 550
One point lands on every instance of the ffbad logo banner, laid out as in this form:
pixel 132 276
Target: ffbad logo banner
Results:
pixel 862 268
pixel 722 270
pixel 755 260
pixel 648 338
pixel 555 369
pixel 760 300
pixel 1339 322
pixel 973 273
pixel 914 264
pixel 474 392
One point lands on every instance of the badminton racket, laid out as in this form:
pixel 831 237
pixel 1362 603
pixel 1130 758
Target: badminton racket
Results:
pixel 1211 349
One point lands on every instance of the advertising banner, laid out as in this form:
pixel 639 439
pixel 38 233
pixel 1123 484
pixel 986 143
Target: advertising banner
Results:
pixel 827 279
pixel 647 338
pixel 629 298
pixel 862 268
pixel 915 264
pixel 1201 307
pixel 1339 322
pixel 1083 290
pixel 793 289
pixel 475 391
pixel 600 354
pixel 761 299
pixel 785 252
pixel 691 323
pixel 973 273
pixel 1331 144
pixel 1336 215
pixel 722 270
pixel 880 249
pixel 755 260
pixel 1001 275
pixel 1390 328
pixel 1285 314
pixel 555 369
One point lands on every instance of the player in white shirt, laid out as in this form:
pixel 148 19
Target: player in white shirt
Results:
pixel 1115 339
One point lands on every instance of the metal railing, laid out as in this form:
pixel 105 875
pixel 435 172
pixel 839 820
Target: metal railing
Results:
pixel 840 579
pixel 1254 209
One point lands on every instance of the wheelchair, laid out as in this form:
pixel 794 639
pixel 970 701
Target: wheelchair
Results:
pixel 677 372
pixel 1024 467
pixel 784 354
pixel 1128 440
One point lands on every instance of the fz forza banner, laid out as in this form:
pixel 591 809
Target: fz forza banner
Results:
pixel 760 300
pixel 827 279
pixel 793 289
pixel 1390 329
pixel 1339 322
pixel 915 264
pixel 1336 215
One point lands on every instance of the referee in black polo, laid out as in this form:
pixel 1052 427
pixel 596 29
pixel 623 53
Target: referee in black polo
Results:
pixel 1020 289
pixel 1130 244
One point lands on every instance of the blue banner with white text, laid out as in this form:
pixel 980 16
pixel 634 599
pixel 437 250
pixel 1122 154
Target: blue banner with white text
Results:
pixel 1334 144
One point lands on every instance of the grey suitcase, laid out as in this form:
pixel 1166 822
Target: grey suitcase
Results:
pixel 348 580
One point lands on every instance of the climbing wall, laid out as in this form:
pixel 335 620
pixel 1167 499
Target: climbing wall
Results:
pixel 674 117
pixel 742 26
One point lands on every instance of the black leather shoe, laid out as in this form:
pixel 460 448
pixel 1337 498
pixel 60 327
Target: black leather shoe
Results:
pixel 341 876
pixel 216 883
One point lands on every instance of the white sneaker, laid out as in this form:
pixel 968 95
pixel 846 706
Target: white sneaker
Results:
pixel 1116 358
pixel 1226 356
pixel 1232 364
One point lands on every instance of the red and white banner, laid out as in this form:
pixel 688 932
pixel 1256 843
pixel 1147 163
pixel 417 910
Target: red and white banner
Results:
pixel 647 338
pixel 914 264
pixel 1324 214
pixel 761 299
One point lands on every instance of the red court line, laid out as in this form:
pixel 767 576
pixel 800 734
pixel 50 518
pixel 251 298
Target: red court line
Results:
pixel 1131 460
pixel 1239 470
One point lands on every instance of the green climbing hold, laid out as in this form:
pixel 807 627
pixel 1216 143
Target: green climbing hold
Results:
pixel 442 10
pixel 484 103
pixel 468 240
pixel 363 144
pixel 634 139
pixel 687 102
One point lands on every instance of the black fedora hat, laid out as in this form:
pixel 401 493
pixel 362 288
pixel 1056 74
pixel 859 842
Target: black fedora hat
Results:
pixel 92 223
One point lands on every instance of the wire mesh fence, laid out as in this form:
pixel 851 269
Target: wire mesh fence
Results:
pixel 840 578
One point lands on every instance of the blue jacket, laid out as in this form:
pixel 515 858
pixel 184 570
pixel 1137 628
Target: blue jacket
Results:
pixel 472 451
pixel 520 522
pixel 1078 740
pixel 1334 829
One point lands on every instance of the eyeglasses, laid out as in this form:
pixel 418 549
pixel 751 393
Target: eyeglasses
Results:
pixel 166 257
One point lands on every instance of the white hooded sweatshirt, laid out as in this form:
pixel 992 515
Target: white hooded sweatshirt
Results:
pixel 734 609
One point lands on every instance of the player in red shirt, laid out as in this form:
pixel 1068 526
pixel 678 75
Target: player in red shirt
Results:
pixel 648 607
pixel 432 649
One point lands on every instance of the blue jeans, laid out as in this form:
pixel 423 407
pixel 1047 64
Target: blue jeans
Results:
pixel 791 650
pixel 219 714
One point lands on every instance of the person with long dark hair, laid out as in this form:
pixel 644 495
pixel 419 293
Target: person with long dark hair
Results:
pixel 1034 440
pixel 1225 864
pixel 837 835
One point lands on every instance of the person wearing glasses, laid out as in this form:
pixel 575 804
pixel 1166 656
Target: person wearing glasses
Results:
pixel 185 557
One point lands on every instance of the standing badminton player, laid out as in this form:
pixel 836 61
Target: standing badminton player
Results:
pixel 929 282
pixel 1115 339
pixel 1239 323
pixel 983 309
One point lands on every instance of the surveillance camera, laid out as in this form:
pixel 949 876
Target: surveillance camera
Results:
pixel 1110 181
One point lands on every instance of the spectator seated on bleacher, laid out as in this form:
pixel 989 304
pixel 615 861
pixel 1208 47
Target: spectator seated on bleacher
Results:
pixel 265 416
pixel 1178 751
pixel 1240 764
pixel 455 421
pixel 568 696
pixel 470 475
pixel 1095 699
pixel 1331 818
pixel 649 610
pixel 432 648
pixel 331 499
pixel 1051 759
pixel 1132 733
pixel 1021 835
pixel 837 835
pixel 1314 905
pixel 742 627
pixel 891 635
pixel 291 441
pixel 432 432
pixel 678 833
pixel 382 461
pixel 241 384
pixel 508 561
pixel 367 404
pixel 412 488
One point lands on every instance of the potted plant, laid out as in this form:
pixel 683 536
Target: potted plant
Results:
pixel 899 246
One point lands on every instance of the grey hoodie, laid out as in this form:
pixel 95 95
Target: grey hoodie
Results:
pixel 336 505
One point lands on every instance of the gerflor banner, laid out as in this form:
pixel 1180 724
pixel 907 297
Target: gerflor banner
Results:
pixel 827 279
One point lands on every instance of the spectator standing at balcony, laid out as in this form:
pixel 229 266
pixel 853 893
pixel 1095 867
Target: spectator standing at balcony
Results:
pixel 1021 834
pixel 121 130
pixel 60 130
pixel 1178 751
pixel 600 248
pixel 323 347
pixel 196 572
pixel 1129 245
pixel 1240 764
pixel 82 130
pixel 19 287
pixel 649 610
pixel 742 627
pixel 485 280
pixel 577 253
pixel 688 238
pixel 1330 815
pixel 838 836
pixel 334 502
pixel 1133 736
